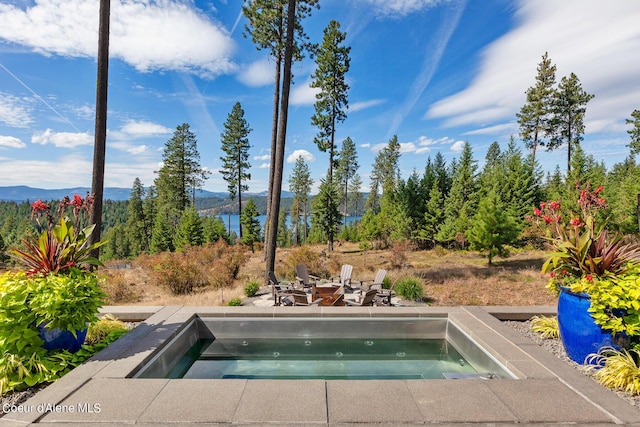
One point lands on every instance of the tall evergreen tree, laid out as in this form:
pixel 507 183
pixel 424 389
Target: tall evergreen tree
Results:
pixel 569 107
pixel 163 233
pixel 332 65
pixel 355 194
pixel 276 189
pixel 634 132
pixel 213 229
pixel 235 162
pixel 535 115
pixel 181 173
pixel 347 166
pixel 268 20
pixel 249 222
pixel 300 183
pixel 433 215
pixel 326 215
pixel 461 202
pixel 138 226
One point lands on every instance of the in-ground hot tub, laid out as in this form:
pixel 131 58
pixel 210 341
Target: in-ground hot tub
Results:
pixel 322 348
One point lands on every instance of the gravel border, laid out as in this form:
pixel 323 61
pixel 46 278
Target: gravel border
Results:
pixel 554 346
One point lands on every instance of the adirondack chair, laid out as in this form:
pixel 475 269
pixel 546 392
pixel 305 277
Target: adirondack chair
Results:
pixel 375 283
pixel 278 290
pixel 304 278
pixel 345 276
pixel 368 299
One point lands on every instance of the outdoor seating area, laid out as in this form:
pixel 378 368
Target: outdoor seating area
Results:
pixel 341 290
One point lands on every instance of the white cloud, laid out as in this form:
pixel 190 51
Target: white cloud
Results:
pixel 365 145
pixel 62 139
pixel 410 147
pixel 128 147
pixel 71 171
pixel 11 142
pixel 262 157
pixel 14 111
pixel 588 37
pixel 306 155
pixel 508 128
pixel 357 106
pixel 149 35
pixel 257 74
pixel 264 166
pixel 377 147
pixel 303 94
pixel 144 129
pixel 457 147
pixel 401 8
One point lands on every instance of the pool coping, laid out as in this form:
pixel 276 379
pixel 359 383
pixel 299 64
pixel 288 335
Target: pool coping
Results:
pixel 547 389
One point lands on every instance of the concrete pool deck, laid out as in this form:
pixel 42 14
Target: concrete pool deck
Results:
pixel 547 392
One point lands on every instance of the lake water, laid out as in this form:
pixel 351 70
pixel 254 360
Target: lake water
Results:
pixel 232 222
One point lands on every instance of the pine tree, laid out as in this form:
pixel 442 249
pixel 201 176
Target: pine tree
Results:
pixel 535 116
pixel 326 215
pixel 355 196
pixel 213 229
pixel 347 166
pixel 300 183
pixel 162 237
pixel 634 132
pixel 3 254
pixel 569 108
pixel 492 228
pixel 235 163
pixel 332 65
pixel 433 215
pixel 283 230
pixel 138 226
pixel 249 222
pixel 268 28
pixel 180 174
pixel 461 202
pixel 190 231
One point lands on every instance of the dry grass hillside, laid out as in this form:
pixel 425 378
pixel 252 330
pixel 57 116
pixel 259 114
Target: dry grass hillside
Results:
pixel 449 278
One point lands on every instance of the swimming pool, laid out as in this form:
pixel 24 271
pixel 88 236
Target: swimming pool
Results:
pixel 322 348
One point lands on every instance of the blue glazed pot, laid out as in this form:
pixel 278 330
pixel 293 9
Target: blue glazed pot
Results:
pixel 579 333
pixel 57 339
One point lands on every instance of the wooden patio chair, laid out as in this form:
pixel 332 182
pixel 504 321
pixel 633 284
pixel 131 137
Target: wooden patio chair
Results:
pixel 375 283
pixel 299 297
pixel 367 300
pixel 345 276
pixel 304 278
pixel 278 289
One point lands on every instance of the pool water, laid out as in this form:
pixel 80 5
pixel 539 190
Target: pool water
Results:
pixel 321 358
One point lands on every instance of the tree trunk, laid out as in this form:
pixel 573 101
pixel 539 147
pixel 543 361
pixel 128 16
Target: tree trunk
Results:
pixel 638 211
pixel 100 141
pixel 282 134
pixel 274 139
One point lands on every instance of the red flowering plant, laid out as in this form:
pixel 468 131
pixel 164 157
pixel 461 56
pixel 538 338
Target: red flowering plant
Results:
pixel 63 243
pixel 588 258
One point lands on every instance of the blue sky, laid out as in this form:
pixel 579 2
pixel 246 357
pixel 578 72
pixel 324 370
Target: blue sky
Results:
pixel 434 72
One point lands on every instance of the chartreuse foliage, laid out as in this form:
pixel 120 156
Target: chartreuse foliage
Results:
pixel 67 302
pixel 617 369
pixel 547 327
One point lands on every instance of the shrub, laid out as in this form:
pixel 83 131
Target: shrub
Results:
pixel 547 327
pixel 118 289
pixel 251 288
pixel 409 288
pixel 398 255
pixel 304 255
pixel 225 269
pixel 234 302
pixel 100 330
pixel 178 272
pixel 617 369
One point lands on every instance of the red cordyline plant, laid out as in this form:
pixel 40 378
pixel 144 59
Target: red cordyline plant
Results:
pixel 62 243
pixel 582 248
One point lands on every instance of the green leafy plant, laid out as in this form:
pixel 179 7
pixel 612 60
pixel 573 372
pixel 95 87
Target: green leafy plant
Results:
pixel 100 330
pixel 62 244
pixel 547 327
pixel 234 302
pixel 409 288
pixel 617 369
pixel 251 288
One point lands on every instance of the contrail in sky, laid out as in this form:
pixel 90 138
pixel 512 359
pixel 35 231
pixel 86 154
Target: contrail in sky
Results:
pixel 39 98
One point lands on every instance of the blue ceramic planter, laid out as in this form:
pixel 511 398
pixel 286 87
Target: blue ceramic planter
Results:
pixel 57 339
pixel 579 333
